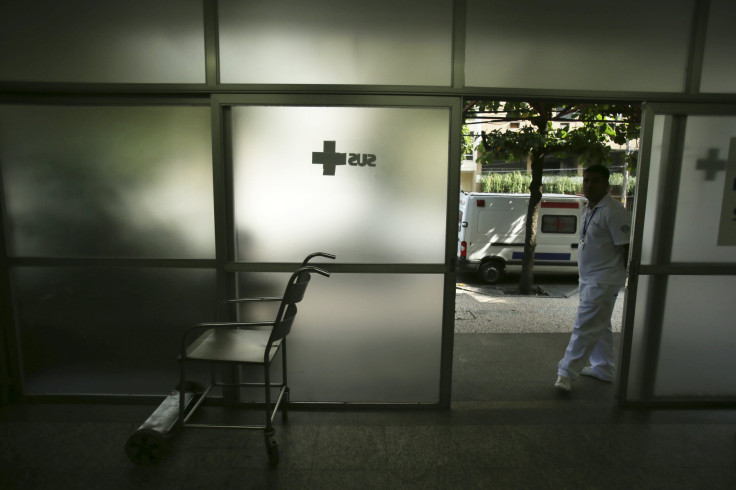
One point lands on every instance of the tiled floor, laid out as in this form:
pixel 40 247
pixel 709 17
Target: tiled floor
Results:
pixel 524 437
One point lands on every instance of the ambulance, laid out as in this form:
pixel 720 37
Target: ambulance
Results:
pixel 491 234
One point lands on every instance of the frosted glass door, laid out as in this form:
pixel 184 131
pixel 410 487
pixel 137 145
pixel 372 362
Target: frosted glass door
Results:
pixel 698 344
pixel 368 184
pixel 683 340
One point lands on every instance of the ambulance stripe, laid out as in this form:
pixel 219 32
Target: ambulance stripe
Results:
pixel 564 205
pixel 542 256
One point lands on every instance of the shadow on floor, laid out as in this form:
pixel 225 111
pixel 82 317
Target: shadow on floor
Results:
pixel 507 429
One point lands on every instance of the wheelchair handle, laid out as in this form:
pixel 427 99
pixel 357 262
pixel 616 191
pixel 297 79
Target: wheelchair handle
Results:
pixel 318 254
pixel 311 268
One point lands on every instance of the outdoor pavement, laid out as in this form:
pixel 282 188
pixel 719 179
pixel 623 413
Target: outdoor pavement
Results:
pixel 481 308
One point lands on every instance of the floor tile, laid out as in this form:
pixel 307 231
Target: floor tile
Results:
pixel 347 480
pixel 560 445
pixel 489 447
pixel 345 447
pixel 471 478
pixel 421 447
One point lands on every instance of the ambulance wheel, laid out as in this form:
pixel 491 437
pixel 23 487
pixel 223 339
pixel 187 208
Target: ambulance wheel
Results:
pixel 491 272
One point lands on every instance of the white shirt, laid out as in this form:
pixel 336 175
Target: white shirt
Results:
pixel 604 231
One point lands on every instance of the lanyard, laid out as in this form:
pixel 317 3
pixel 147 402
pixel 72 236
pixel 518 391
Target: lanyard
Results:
pixel 586 223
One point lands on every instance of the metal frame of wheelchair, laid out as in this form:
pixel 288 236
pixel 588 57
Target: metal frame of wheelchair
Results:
pixel 231 344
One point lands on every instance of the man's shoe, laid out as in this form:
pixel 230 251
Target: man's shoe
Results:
pixel 563 384
pixel 589 371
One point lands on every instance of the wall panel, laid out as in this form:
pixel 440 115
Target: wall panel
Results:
pixel 115 41
pixel 132 182
pixel 382 42
pixel 578 44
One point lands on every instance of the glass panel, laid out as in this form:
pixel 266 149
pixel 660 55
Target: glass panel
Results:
pixel 108 181
pixel 697 350
pixel 701 192
pixel 107 331
pixel 559 224
pixel 719 71
pixel 656 172
pixel 123 41
pixel 638 353
pixel 386 201
pixel 355 341
pixel 389 42
pixel 565 47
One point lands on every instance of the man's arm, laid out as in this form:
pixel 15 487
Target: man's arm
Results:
pixel 619 226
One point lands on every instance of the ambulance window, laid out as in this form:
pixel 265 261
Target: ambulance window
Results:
pixel 559 224
pixel 459 220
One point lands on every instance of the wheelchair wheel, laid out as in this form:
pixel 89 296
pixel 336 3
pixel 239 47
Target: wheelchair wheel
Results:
pixel 146 447
pixel 273 455
pixel 191 386
pixel 272 447
pixel 285 406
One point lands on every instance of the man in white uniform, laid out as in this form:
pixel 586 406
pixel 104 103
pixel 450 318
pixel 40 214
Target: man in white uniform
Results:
pixel 602 256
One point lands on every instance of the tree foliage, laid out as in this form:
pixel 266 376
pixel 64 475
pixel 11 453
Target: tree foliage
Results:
pixel 601 125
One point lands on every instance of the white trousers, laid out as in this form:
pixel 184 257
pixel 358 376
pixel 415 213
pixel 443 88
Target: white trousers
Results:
pixel 592 337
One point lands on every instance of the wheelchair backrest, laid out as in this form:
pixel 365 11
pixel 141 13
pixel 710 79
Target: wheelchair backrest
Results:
pixel 295 289
pixel 282 327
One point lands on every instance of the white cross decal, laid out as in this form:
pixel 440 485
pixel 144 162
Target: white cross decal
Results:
pixel 711 165
pixel 328 158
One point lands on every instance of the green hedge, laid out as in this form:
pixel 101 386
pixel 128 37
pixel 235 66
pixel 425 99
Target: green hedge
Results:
pixel 518 183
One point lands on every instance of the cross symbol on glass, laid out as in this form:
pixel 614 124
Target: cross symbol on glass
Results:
pixel 712 165
pixel 328 158
pixel 559 224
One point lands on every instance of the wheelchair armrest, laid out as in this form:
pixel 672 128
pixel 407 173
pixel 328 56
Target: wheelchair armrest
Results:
pixel 244 300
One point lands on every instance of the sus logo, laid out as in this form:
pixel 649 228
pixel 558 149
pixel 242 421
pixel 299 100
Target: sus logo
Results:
pixel 329 158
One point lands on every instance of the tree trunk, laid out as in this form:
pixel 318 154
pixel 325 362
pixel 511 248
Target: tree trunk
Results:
pixel 526 284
